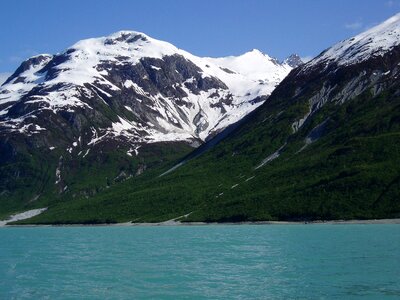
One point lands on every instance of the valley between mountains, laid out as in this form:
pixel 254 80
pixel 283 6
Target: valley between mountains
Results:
pixel 127 128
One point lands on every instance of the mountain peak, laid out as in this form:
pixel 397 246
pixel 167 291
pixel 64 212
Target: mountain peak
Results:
pixel 126 33
pixel 255 52
pixel 293 61
pixel 32 64
pixel 126 36
pixel 155 91
pixel 130 45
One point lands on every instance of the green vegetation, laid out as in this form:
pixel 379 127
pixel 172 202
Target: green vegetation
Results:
pixel 32 178
pixel 351 171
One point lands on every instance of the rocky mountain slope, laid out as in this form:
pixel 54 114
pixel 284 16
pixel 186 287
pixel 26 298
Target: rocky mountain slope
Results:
pixel 114 107
pixel 324 146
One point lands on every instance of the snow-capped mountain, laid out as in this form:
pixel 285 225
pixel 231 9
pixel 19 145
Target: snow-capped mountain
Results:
pixel 293 60
pixel 371 43
pixel 132 86
pixel 364 62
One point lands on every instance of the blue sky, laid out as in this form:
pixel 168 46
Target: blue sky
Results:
pixel 203 27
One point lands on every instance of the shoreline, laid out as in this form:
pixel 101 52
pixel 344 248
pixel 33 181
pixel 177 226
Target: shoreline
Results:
pixel 177 223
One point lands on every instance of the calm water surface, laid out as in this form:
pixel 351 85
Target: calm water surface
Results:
pixel 201 262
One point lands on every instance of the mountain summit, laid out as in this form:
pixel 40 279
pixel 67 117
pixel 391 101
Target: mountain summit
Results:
pixel 293 61
pixel 155 91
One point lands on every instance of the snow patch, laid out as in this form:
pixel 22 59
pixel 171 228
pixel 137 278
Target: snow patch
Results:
pixel 133 150
pixel 86 153
pixel 22 216
pixel 250 178
pixel 128 108
pixel 271 157
pixel 155 68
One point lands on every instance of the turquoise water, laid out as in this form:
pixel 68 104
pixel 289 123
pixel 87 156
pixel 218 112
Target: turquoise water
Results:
pixel 201 262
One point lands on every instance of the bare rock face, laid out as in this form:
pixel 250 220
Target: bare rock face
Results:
pixel 294 61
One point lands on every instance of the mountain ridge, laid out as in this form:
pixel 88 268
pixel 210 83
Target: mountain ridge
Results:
pixel 83 64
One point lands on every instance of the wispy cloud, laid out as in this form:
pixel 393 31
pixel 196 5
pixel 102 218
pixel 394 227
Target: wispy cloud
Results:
pixel 15 58
pixel 20 56
pixel 368 26
pixel 306 58
pixel 354 25
pixel 3 77
pixel 392 3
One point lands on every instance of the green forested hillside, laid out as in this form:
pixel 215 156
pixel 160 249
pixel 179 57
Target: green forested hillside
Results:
pixel 343 162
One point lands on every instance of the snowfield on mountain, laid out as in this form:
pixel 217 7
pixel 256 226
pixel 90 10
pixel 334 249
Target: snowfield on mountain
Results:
pixel 168 93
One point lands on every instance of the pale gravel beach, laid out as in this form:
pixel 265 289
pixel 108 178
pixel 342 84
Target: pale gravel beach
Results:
pixel 176 223
pixel 173 222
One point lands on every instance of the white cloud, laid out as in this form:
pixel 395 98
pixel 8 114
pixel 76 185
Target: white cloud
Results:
pixel 354 26
pixel 369 26
pixel 3 77
pixel 391 3
pixel 22 55
pixel 306 58
pixel 15 59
